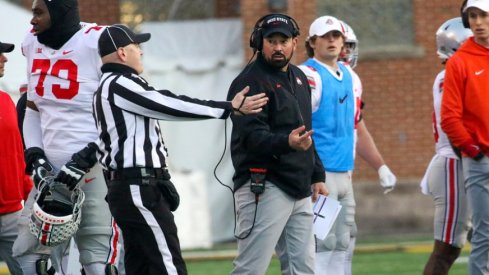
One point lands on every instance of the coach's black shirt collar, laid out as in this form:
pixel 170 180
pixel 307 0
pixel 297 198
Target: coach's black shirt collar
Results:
pixel 117 68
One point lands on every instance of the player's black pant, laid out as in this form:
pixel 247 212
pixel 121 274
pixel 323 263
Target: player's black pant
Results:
pixel 150 235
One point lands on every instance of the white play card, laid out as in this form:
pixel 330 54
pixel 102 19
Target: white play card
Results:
pixel 325 212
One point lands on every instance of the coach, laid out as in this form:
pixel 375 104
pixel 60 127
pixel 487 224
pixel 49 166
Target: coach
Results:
pixel 140 193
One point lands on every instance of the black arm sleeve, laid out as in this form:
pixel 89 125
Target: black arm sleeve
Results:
pixel 21 105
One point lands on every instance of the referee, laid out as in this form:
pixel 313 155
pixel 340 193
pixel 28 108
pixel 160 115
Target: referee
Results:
pixel 140 193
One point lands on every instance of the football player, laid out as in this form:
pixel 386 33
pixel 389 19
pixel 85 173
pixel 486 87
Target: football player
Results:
pixel 364 144
pixel 443 179
pixel 63 71
pixel 339 132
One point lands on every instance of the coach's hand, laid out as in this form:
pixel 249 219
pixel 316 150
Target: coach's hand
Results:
pixel 318 188
pixel 245 105
pixel 387 179
pixel 300 139
pixel 37 165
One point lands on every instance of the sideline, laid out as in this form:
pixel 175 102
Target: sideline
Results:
pixel 229 254
pixel 408 247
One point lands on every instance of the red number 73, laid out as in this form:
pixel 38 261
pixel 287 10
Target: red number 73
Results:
pixel 44 66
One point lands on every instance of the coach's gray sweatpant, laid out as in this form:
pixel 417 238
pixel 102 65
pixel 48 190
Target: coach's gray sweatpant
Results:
pixel 282 223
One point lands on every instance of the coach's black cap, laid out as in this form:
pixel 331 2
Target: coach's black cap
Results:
pixel 6 48
pixel 117 36
pixel 278 23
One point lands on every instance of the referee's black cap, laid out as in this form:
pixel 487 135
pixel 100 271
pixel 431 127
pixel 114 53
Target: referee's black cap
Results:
pixel 6 48
pixel 117 36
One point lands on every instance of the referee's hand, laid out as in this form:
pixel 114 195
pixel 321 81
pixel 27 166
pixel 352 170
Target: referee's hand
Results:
pixel 246 105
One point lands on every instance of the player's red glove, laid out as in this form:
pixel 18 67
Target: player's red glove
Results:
pixel 472 150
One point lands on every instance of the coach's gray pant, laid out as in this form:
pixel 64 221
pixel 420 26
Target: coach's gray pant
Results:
pixel 8 233
pixel 476 174
pixel 282 223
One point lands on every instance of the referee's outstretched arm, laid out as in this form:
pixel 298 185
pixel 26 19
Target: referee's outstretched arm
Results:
pixel 132 93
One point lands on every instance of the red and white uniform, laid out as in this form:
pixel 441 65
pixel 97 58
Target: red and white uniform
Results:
pixel 61 83
pixel 443 180
pixel 357 91
pixel 443 147
pixel 339 184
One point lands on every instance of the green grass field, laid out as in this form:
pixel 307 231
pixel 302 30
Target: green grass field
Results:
pixel 370 263
pixel 371 258
pixel 379 258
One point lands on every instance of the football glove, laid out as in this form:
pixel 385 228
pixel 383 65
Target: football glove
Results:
pixel 37 165
pixel 70 174
pixel 80 163
pixel 387 179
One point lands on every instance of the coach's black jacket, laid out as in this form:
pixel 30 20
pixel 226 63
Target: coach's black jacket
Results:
pixel 262 140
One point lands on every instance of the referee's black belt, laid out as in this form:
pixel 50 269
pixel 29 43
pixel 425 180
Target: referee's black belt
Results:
pixel 137 173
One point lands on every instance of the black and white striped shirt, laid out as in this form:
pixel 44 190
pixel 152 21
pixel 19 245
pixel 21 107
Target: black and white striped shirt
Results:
pixel 127 110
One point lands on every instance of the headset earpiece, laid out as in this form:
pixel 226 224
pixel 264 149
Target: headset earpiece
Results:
pixel 256 38
pixel 464 15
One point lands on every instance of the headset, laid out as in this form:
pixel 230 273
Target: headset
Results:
pixel 464 15
pixel 256 38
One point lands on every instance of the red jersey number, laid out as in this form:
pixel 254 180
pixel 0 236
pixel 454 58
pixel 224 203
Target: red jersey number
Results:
pixel 62 65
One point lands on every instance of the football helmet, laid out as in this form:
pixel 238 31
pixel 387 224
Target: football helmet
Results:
pixel 449 36
pixel 351 46
pixel 56 212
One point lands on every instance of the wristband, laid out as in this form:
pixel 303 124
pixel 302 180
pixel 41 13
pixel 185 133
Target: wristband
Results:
pixel 240 105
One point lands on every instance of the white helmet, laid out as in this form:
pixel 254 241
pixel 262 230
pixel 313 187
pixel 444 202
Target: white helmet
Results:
pixel 56 213
pixel 449 36
pixel 351 43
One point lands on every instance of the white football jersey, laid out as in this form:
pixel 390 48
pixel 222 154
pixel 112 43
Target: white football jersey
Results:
pixel 443 147
pixel 357 91
pixel 61 83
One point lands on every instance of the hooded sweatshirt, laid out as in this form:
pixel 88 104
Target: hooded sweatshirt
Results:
pixel 465 103
pixel 65 22
pixel 15 185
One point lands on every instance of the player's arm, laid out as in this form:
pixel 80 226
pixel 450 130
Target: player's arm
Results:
pixel 368 151
pixel 21 108
pixel 366 147
pixel 315 84
pixel 37 163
